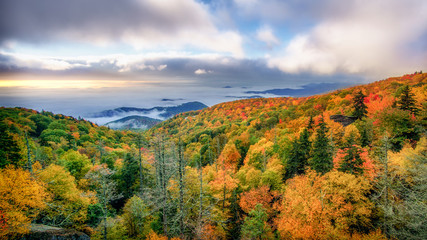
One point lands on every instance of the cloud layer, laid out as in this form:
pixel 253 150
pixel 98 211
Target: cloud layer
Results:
pixel 144 24
pixel 375 38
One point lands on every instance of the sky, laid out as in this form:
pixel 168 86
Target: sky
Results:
pixel 83 56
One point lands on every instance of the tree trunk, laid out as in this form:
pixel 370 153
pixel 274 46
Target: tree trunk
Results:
pixel 181 187
pixel 30 165
pixel 224 188
pixel 386 180
pixel 164 189
pixel 140 164
pixel 105 211
pixel 201 191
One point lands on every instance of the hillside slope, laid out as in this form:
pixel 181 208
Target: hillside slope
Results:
pixel 296 168
pixel 259 116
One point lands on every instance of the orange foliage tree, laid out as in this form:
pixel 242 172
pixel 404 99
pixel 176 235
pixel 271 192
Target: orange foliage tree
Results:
pixel 324 207
pixel 261 195
pixel 222 187
pixel 230 156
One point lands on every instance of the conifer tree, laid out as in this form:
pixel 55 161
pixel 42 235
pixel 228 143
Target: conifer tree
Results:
pixel 352 161
pixel 255 225
pixel 128 176
pixel 234 222
pixel 10 153
pixel 365 131
pixel 322 156
pixel 406 101
pixel 359 105
pixel 299 155
pixel 305 147
pixel 310 123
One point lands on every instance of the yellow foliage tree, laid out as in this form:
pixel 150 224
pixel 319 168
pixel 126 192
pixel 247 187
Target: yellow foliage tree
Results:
pixel 400 162
pixel 21 199
pixel 249 177
pixel 69 204
pixel 222 188
pixel 259 154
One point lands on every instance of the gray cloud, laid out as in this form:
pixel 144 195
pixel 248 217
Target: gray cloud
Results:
pixel 146 87
pixel 140 23
pixel 201 70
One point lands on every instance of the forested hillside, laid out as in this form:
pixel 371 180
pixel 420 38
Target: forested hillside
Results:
pixel 350 164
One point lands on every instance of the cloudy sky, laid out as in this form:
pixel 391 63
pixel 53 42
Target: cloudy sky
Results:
pixel 80 56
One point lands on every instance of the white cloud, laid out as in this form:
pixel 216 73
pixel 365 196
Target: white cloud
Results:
pixel 265 34
pixel 37 62
pixel 202 71
pixel 161 67
pixel 374 38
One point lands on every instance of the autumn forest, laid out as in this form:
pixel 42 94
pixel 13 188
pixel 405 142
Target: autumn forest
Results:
pixel 349 164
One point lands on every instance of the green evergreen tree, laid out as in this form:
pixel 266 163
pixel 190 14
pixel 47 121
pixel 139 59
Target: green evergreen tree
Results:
pixel 234 222
pixel 10 153
pixel 406 101
pixel 255 225
pixel 352 162
pixel 310 123
pixel 305 144
pixel 365 130
pixel 299 155
pixel 359 105
pixel 322 156
pixel 293 159
pixel 128 176
pixel 402 127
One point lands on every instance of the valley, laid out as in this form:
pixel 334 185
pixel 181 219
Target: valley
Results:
pixel 340 165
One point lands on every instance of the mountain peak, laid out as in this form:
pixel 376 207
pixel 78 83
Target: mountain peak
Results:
pixel 127 117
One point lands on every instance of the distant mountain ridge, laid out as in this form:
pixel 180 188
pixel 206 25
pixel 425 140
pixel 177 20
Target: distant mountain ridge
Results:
pixel 305 90
pixel 161 112
pixel 141 118
pixel 133 122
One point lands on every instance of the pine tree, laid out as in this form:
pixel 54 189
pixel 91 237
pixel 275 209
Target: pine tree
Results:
pixel 365 131
pixel 234 222
pixel 128 176
pixel 322 156
pixel 406 101
pixel 359 105
pixel 300 153
pixel 352 162
pixel 292 162
pixel 255 225
pixel 141 177
pixel 10 153
pixel 310 123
